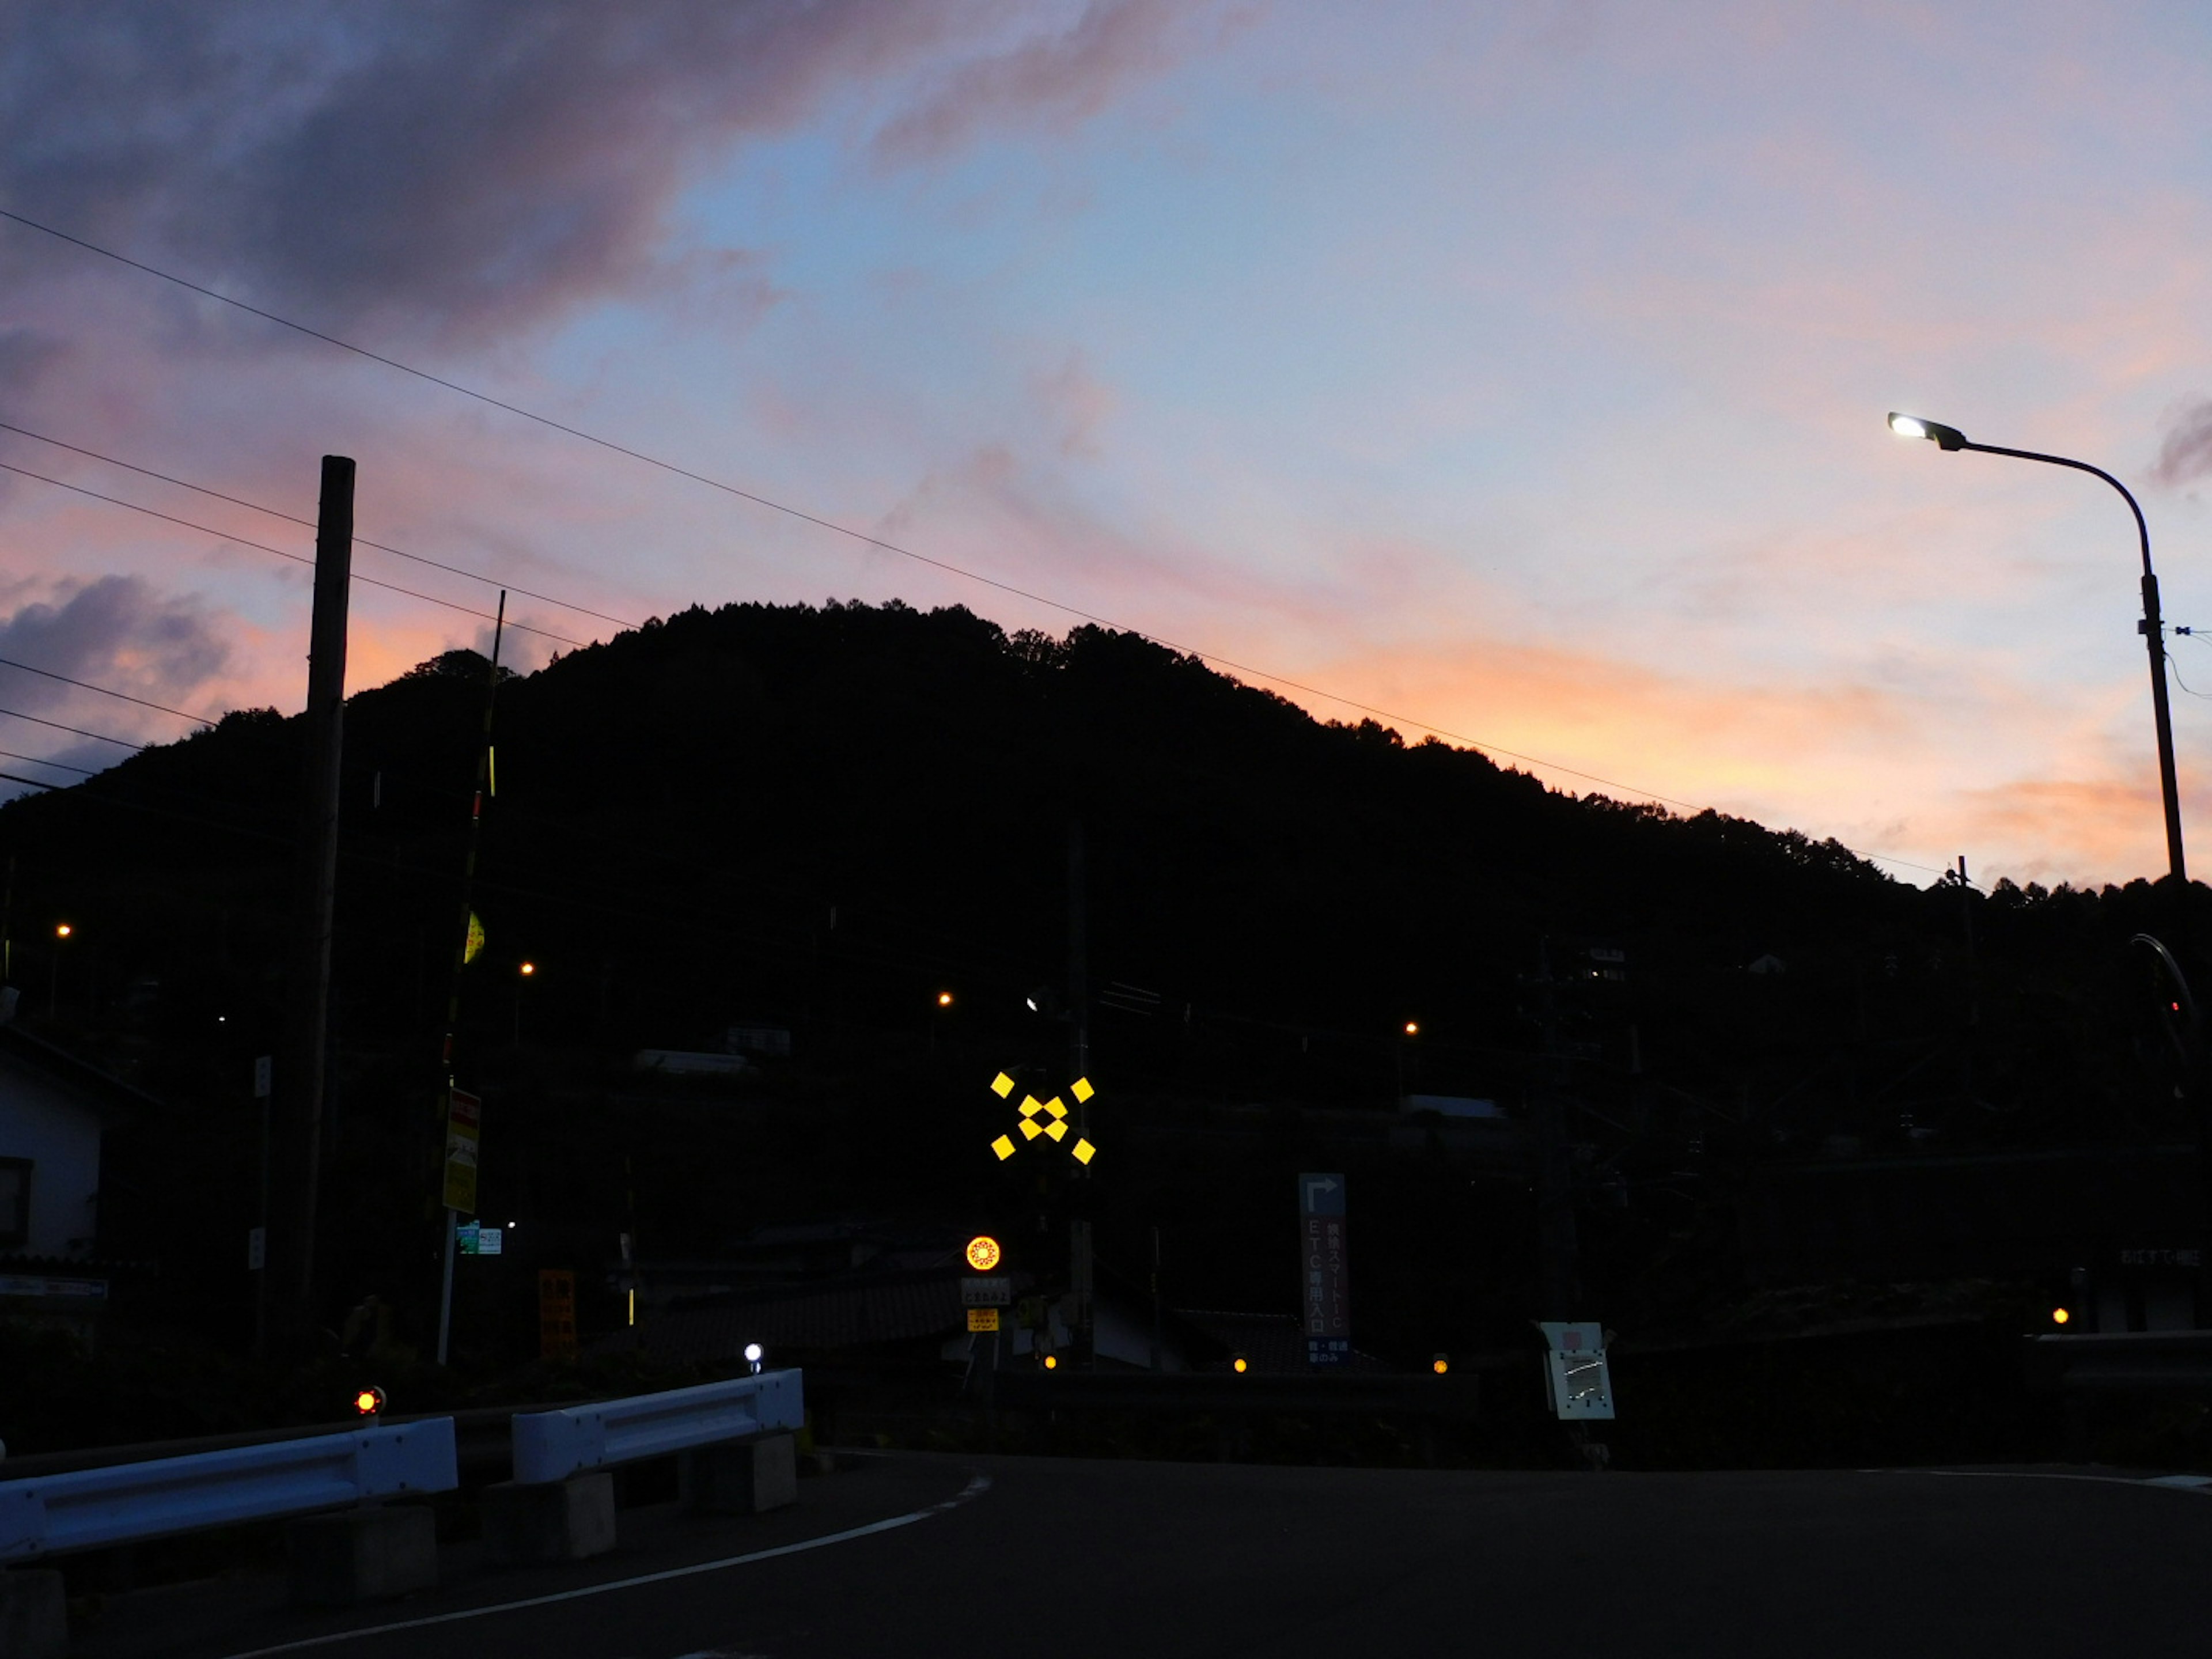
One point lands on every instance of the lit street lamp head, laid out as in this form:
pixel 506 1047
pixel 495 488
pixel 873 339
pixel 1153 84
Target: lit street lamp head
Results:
pixel 1911 426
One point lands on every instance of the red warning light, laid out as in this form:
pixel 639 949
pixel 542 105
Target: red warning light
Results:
pixel 369 1401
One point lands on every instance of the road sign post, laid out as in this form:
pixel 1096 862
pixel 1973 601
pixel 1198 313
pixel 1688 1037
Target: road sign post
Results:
pixel 1579 1381
pixel 1326 1290
pixel 463 1137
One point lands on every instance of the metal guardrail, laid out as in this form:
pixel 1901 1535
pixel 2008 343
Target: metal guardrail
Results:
pixel 553 1445
pixel 128 1503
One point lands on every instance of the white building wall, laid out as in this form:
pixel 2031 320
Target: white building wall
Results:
pixel 61 1138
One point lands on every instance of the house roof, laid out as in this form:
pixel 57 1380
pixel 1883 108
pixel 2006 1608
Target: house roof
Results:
pixel 108 1096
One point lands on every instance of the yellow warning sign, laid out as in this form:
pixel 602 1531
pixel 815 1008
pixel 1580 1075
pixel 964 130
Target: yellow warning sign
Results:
pixel 983 1319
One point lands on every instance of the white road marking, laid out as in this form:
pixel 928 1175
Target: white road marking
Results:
pixel 976 1487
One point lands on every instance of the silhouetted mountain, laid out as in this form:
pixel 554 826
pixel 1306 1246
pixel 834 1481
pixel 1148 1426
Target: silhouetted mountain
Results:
pixel 817 821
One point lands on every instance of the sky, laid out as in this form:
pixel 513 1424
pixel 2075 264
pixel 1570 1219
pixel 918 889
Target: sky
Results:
pixel 1517 371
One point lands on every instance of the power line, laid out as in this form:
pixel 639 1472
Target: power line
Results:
pixel 105 691
pixel 293 518
pixel 805 517
pixel 40 760
pixel 263 547
pixel 98 736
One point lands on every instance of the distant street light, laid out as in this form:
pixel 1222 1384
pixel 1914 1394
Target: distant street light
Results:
pixel 522 972
pixel 944 998
pixel 2153 630
pixel 62 931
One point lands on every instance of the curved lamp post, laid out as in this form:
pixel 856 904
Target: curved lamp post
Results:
pixel 2153 632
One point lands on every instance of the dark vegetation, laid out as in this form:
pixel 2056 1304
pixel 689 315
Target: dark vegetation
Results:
pixel 820 819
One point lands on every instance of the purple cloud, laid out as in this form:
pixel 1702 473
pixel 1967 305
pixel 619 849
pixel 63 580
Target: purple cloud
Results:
pixel 117 632
pixel 1055 80
pixel 465 169
pixel 2186 453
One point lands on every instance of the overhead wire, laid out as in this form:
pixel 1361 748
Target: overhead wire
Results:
pixel 758 499
pixel 40 760
pixel 98 736
pixel 296 558
pixel 294 517
pixel 831 525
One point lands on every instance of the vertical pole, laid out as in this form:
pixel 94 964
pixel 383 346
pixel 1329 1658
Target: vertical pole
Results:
pixel 264 1081
pixel 1079 1060
pixel 2154 633
pixel 299 1114
pixel 1555 1197
pixel 1156 1354
pixel 460 962
pixel 446 1284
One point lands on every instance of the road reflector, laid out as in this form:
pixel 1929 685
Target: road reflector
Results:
pixel 1002 1085
pixel 1030 1130
pixel 983 1319
pixel 1083 1151
pixel 1004 1146
pixel 1082 1091
pixel 1056 1108
pixel 1057 1131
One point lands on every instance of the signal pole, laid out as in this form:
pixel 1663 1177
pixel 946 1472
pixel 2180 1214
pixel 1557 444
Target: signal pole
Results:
pixel 301 1120
pixel 1079 1037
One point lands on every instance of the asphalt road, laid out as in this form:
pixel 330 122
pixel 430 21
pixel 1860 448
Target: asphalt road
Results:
pixel 1072 1558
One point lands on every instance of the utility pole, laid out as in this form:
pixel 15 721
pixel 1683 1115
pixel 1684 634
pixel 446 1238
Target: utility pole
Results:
pixel 292 1254
pixel 1079 1060
pixel 1555 1181
pixel 446 1104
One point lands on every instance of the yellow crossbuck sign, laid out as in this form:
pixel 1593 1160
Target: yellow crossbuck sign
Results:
pixel 1048 1118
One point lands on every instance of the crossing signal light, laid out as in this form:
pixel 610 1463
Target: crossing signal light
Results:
pixel 1241 1364
pixel 369 1402
pixel 1043 1120
pixel 2059 1315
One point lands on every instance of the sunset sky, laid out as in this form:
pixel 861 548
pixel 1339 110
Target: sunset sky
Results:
pixel 1520 370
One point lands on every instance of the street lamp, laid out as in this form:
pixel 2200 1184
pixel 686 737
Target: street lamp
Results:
pixel 523 972
pixel 2152 629
pixel 62 931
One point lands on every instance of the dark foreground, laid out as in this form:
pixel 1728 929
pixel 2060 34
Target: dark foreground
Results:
pixel 1064 1558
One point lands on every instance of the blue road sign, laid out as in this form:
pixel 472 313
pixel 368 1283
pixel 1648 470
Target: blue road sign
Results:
pixel 1326 1293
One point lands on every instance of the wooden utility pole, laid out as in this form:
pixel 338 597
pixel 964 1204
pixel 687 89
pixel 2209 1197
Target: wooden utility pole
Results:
pixel 453 1199
pixel 1079 1043
pixel 292 1251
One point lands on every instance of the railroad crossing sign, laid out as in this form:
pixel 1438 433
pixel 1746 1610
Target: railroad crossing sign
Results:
pixel 1048 1118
